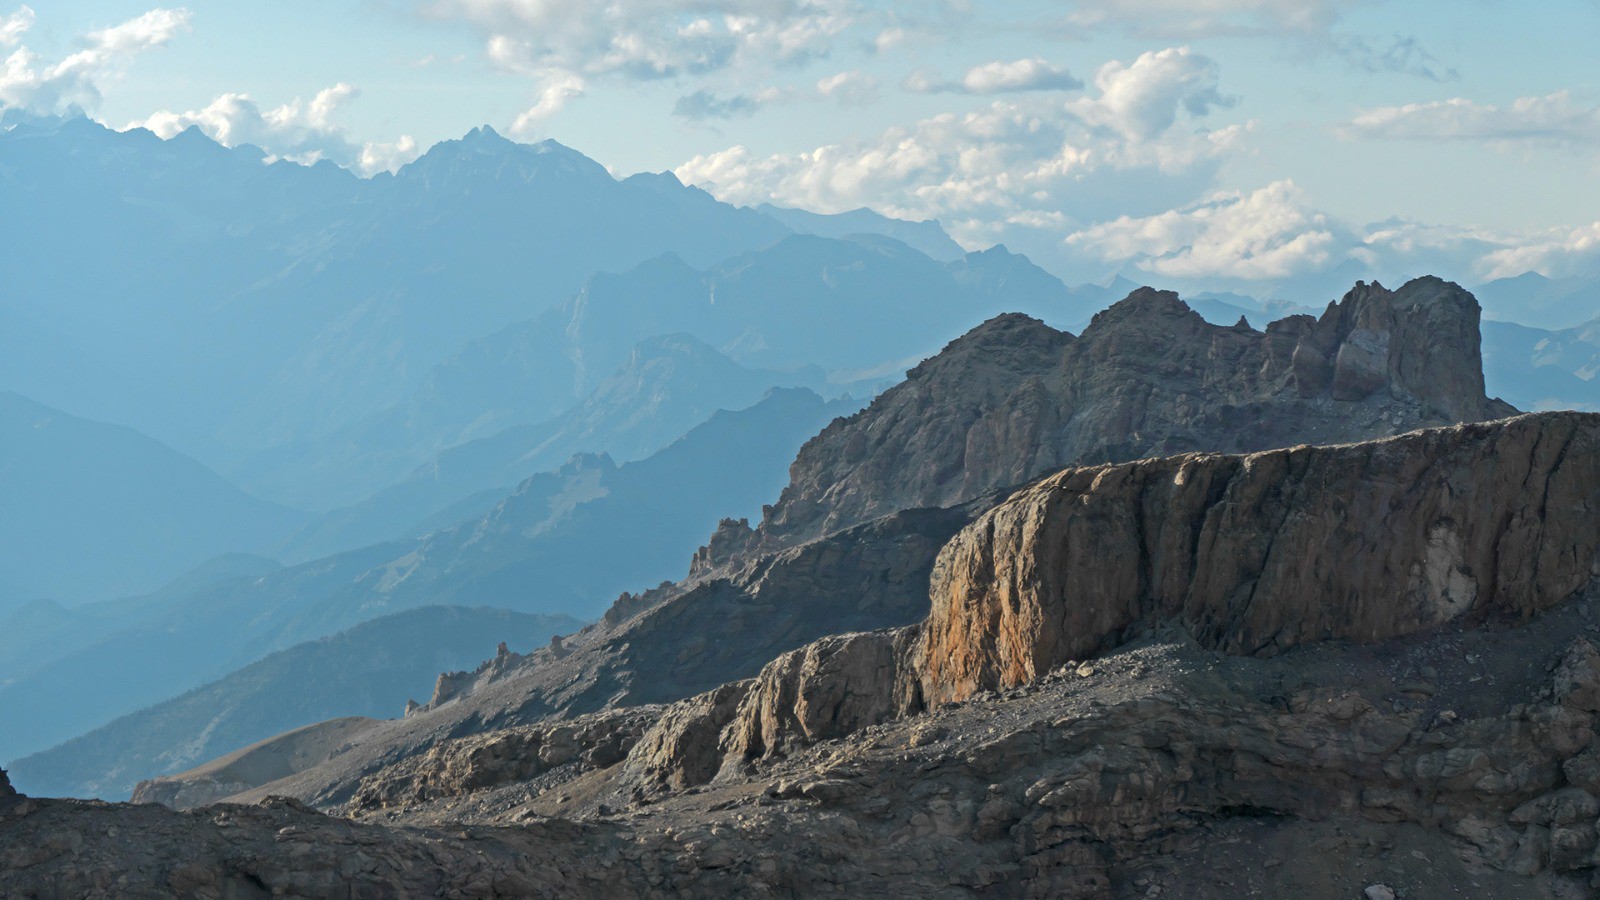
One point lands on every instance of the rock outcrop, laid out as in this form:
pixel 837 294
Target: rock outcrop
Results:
pixel 1015 398
pixel 1252 555
pixel 6 790
pixel 1258 553
pixel 511 756
pixel 1458 763
pixel 258 764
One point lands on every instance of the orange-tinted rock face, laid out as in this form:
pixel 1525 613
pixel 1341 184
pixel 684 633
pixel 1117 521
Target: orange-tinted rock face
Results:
pixel 1255 554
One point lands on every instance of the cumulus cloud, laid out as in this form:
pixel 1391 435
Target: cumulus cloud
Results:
pixel 1263 235
pixel 556 90
pixel 998 78
pixel 29 82
pixel 1017 170
pixel 14 26
pixel 1556 253
pixel 1551 118
pixel 1311 29
pixel 1184 19
pixel 649 38
pixel 851 88
pixel 1142 99
pixel 301 132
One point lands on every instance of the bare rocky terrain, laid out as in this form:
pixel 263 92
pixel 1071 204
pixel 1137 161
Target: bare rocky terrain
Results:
pixel 1181 663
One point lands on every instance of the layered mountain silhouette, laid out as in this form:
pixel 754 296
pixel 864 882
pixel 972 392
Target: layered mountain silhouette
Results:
pixel 94 511
pixel 368 670
pixel 343 331
pixel 1537 368
pixel 240 306
pixel 667 386
pixel 547 548
pixel 1539 301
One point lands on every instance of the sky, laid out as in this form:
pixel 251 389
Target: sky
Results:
pixel 1239 144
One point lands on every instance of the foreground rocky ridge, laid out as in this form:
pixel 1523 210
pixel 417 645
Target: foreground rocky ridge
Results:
pixel 1251 555
pixel 1259 553
pixel 1460 762
pixel 1453 750
pixel 1148 376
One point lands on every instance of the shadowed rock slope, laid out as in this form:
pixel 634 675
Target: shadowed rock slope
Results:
pixel 902 487
pixel 1436 735
pixel 1148 377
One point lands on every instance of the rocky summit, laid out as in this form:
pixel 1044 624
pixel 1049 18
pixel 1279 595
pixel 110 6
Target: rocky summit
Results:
pixel 1149 377
pixel 1164 609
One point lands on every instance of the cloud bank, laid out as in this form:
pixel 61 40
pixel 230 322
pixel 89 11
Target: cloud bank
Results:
pixel 29 82
pixel 301 132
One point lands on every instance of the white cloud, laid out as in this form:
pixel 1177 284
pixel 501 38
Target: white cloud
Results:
pixel 851 88
pixel 1553 117
pixel 28 82
pixel 1142 99
pixel 15 25
pixel 1208 18
pixel 301 132
pixel 1556 253
pixel 888 39
pixel 1010 170
pixel 649 38
pixel 998 78
pixel 1266 234
pixel 1309 29
pixel 557 89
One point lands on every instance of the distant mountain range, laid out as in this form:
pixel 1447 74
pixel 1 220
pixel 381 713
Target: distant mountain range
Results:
pixel 667 386
pixel 324 299
pixel 90 511
pixel 548 548
pixel 1537 301
pixel 369 670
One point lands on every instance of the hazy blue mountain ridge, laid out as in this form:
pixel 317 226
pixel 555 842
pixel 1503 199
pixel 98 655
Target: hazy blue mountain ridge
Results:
pixel 565 542
pixel 91 511
pixel 667 386
pixel 369 670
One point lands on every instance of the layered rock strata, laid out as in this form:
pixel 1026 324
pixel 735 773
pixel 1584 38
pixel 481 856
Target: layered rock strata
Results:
pixel 1258 553
pixel 1458 763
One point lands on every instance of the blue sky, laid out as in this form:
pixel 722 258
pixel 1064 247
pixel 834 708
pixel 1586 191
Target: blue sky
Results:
pixel 1227 142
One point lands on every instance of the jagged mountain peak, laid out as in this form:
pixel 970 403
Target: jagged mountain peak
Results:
pixel 1009 340
pixel 484 152
pixel 1014 398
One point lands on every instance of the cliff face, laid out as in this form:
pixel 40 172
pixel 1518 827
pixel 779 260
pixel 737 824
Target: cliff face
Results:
pixel 1014 398
pixel 1250 555
pixel 1259 553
